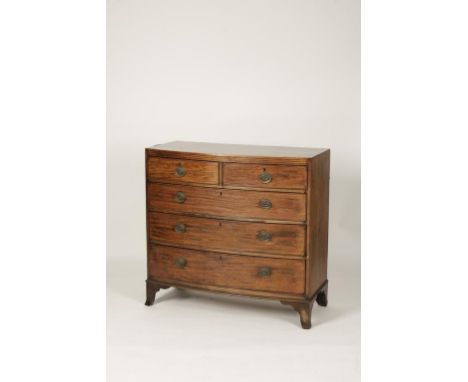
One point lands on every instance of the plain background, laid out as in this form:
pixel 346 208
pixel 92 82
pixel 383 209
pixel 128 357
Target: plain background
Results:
pixel 414 204
pixel 251 72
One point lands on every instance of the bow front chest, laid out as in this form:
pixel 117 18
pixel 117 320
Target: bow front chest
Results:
pixel 245 220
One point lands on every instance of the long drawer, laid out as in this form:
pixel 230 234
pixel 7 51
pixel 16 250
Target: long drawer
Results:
pixel 172 265
pixel 238 204
pixel 227 236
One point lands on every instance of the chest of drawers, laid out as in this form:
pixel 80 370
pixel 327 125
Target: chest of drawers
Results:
pixel 245 220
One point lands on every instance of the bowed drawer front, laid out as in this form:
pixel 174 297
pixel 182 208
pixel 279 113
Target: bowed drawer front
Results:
pixel 247 220
pixel 174 265
pixel 239 204
pixel 226 236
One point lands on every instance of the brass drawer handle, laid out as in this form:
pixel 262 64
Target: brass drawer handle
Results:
pixel 265 204
pixel 180 171
pixel 264 271
pixel 180 228
pixel 180 263
pixel 265 177
pixel 179 197
pixel 264 236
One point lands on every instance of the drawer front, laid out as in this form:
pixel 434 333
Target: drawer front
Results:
pixel 180 170
pixel 168 264
pixel 265 176
pixel 226 203
pixel 225 235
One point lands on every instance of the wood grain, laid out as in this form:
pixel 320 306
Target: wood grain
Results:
pixel 164 170
pixel 226 236
pixel 317 229
pixel 248 175
pixel 232 271
pixel 234 153
pixel 226 203
pixel 219 193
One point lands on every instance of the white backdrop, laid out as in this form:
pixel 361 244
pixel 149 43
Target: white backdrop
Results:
pixel 251 72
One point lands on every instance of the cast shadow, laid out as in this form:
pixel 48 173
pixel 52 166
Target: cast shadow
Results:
pixel 126 277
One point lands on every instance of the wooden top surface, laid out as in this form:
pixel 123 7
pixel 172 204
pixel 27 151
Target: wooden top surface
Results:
pixel 235 152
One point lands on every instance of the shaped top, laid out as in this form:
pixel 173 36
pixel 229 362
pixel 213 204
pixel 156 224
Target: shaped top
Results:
pixel 234 152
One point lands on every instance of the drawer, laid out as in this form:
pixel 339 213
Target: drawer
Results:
pixel 238 204
pixel 265 176
pixel 227 236
pixel 169 264
pixel 180 170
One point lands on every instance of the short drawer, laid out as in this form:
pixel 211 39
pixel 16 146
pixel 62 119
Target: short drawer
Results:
pixel 265 176
pixel 238 204
pixel 179 170
pixel 227 236
pixel 169 264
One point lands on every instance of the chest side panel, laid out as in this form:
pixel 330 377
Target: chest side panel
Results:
pixel 317 219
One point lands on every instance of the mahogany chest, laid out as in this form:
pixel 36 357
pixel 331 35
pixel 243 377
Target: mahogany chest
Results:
pixel 238 219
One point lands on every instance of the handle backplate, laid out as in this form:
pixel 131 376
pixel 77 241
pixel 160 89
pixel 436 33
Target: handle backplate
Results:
pixel 264 236
pixel 265 177
pixel 180 228
pixel 264 271
pixel 265 204
pixel 179 197
pixel 180 263
pixel 180 171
